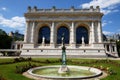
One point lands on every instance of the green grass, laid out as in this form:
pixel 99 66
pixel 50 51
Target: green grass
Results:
pixel 8 70
pixel 6 60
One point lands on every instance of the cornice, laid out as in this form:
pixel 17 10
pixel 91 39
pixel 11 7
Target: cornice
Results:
pixel 29 20
pixel 35 14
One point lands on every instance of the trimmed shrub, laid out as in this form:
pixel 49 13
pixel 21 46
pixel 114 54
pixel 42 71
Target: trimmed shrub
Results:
pixel 23 68
pixel 21 59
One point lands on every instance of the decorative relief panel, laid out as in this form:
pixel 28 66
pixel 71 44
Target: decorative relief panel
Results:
pixel 63 18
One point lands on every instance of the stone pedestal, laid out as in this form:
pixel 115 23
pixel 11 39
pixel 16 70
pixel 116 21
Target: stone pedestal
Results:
pixel 52 45
pixel 28 46
pixel 63 70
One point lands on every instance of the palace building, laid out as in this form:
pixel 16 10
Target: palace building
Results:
pixel 81 29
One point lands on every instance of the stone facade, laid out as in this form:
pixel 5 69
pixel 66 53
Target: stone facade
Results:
pixel 17 45
pixel 70 18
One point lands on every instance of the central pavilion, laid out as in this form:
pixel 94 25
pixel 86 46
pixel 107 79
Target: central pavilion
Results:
pixel 81 28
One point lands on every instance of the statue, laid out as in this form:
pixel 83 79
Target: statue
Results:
pixel 83 41
pixel 43 40
pixel 62 39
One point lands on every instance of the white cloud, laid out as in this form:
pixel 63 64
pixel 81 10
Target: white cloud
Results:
pixel 107 32
pixel 15 22
pixel 118 30
pixel 104 23
pixel 116 10
pixel 4 8
pixel 107 6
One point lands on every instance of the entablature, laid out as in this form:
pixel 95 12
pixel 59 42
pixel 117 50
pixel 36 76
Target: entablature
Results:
pixel 63 18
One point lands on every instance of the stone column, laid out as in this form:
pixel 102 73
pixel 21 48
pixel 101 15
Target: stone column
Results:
pixel 72 35
pixel 26 33
pixel 115 48
pixel 99 32
pixel 32 32
pixel 16 46
pixel 105 47
pixel 110 49
pixel 92 33
pixel 52 35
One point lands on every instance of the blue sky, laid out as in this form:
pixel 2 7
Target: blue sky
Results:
pixel 12 12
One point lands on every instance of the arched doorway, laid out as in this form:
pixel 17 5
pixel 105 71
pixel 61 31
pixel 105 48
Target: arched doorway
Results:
pixel 60 32
pixel 44 32
pixel 82 31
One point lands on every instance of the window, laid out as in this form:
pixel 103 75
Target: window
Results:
pixel 107 47
pixel 81 32
pixel 44 32
pixel 63 31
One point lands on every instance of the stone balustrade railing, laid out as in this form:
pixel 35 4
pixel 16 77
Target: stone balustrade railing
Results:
pixel 72 9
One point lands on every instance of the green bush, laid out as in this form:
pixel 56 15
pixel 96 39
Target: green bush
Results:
pixel 118 47
pixel 21 59
pixel 23 68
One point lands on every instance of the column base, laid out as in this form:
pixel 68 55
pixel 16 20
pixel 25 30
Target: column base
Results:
pixel 28 45
pixel 73 45
pixel 52 45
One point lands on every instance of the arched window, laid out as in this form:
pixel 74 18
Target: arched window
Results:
pixel 63 31
pixel 81 31
pixel 44 32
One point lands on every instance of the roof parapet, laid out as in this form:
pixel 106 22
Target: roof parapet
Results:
pixel 97 8
pixel 29 9
pixel 72 8
pixel 53 9
pixel 35 8
pixel 91 8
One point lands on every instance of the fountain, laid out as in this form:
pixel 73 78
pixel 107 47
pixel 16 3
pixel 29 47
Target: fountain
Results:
pixel 63 71
pixel 63 68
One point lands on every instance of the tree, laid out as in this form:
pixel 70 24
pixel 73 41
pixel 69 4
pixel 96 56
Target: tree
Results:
pixel 5 40
pixel 2 32
pixel 118 47
pixel 17 36
pixel 104 37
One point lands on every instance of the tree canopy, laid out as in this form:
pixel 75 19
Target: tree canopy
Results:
pixel 2 32
pixel 118 47
pixel 5 40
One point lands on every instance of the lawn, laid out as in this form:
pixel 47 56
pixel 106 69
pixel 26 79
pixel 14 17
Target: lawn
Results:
pixel 9 66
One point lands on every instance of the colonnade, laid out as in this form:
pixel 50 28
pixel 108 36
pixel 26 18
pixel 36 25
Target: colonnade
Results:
pixel 31 36
pixel 110 47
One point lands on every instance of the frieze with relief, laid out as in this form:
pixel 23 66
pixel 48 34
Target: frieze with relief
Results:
pixel 65 18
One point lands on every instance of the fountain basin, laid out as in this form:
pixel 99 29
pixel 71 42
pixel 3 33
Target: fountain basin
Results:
pixel 76 72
